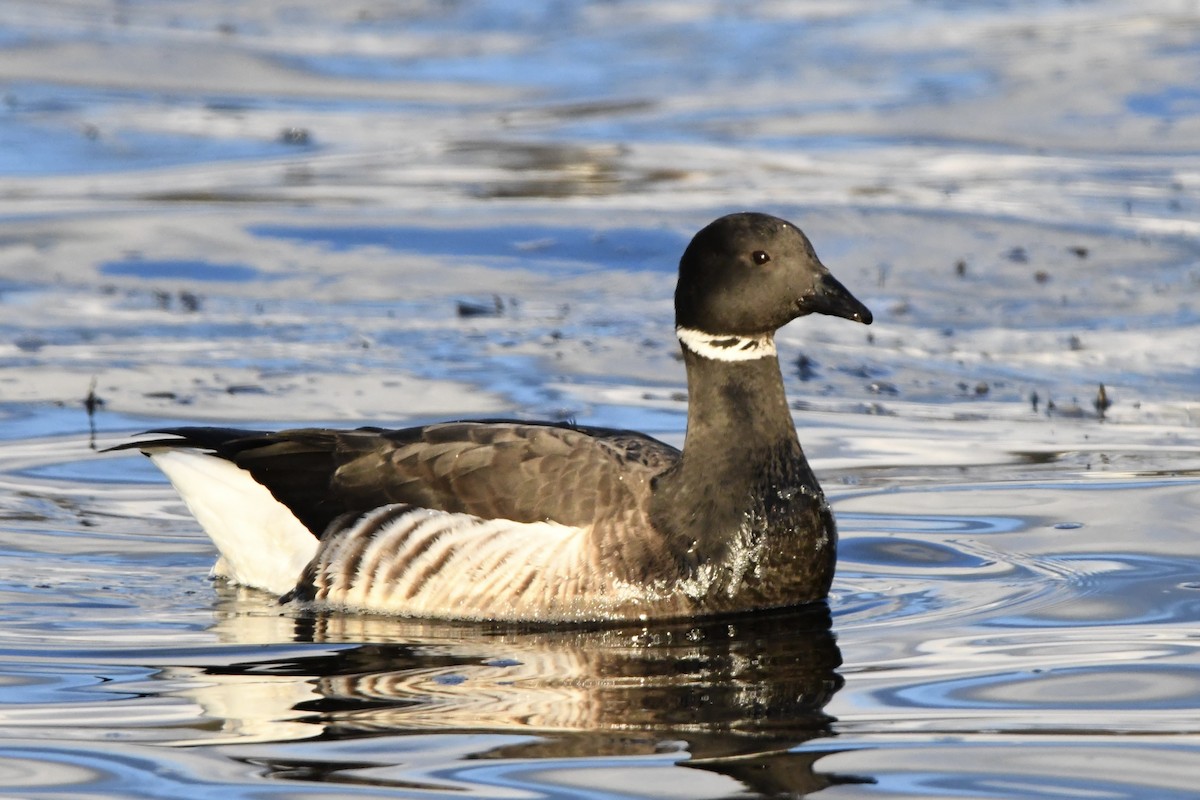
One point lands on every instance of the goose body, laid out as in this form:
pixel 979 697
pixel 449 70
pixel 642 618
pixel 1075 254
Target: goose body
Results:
pixel 508 520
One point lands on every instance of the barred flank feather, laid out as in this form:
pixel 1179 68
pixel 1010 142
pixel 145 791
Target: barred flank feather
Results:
pixel 417 561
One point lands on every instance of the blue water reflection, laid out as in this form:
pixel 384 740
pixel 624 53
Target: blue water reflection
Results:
pixel 561 249
pixel 182 268
pixel 1010 186
pixel 35 142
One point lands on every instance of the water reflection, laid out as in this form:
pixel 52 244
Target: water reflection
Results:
pixel 555 249
pixel 734 695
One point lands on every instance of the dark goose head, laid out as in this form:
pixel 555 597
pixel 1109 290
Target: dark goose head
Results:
pixel 743 492
pixel 749 274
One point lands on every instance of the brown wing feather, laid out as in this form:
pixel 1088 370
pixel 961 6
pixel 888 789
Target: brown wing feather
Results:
pixel 526 472
pixel 518 471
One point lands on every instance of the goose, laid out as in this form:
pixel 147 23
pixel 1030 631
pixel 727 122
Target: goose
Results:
pixel 506 520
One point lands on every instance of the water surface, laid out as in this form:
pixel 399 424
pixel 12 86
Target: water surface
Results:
pixel 298 214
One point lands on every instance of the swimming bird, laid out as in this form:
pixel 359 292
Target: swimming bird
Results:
pixel 552 522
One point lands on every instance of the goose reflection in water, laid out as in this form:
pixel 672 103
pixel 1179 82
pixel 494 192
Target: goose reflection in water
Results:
pixel 738 695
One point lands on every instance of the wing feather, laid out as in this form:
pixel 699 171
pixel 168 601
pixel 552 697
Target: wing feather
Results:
pixel 524 472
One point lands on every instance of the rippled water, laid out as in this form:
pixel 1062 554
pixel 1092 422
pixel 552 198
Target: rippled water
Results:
pixel 287 213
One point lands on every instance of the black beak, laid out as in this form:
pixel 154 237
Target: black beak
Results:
pixel 830 297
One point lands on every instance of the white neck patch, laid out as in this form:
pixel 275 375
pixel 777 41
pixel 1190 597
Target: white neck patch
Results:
pixel 724 347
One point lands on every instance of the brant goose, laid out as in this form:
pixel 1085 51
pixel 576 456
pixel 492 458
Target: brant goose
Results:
pixel 522 521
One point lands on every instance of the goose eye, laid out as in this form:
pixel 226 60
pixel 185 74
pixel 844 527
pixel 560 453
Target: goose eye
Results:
pixel 760 257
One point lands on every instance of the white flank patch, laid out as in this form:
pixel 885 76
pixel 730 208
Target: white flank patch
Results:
pixel 441 564
pixel 726 347
pixel 261 542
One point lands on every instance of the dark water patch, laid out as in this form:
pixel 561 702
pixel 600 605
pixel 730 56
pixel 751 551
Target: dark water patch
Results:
pixel 537 169
pixel 258 197
pixel 914 554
